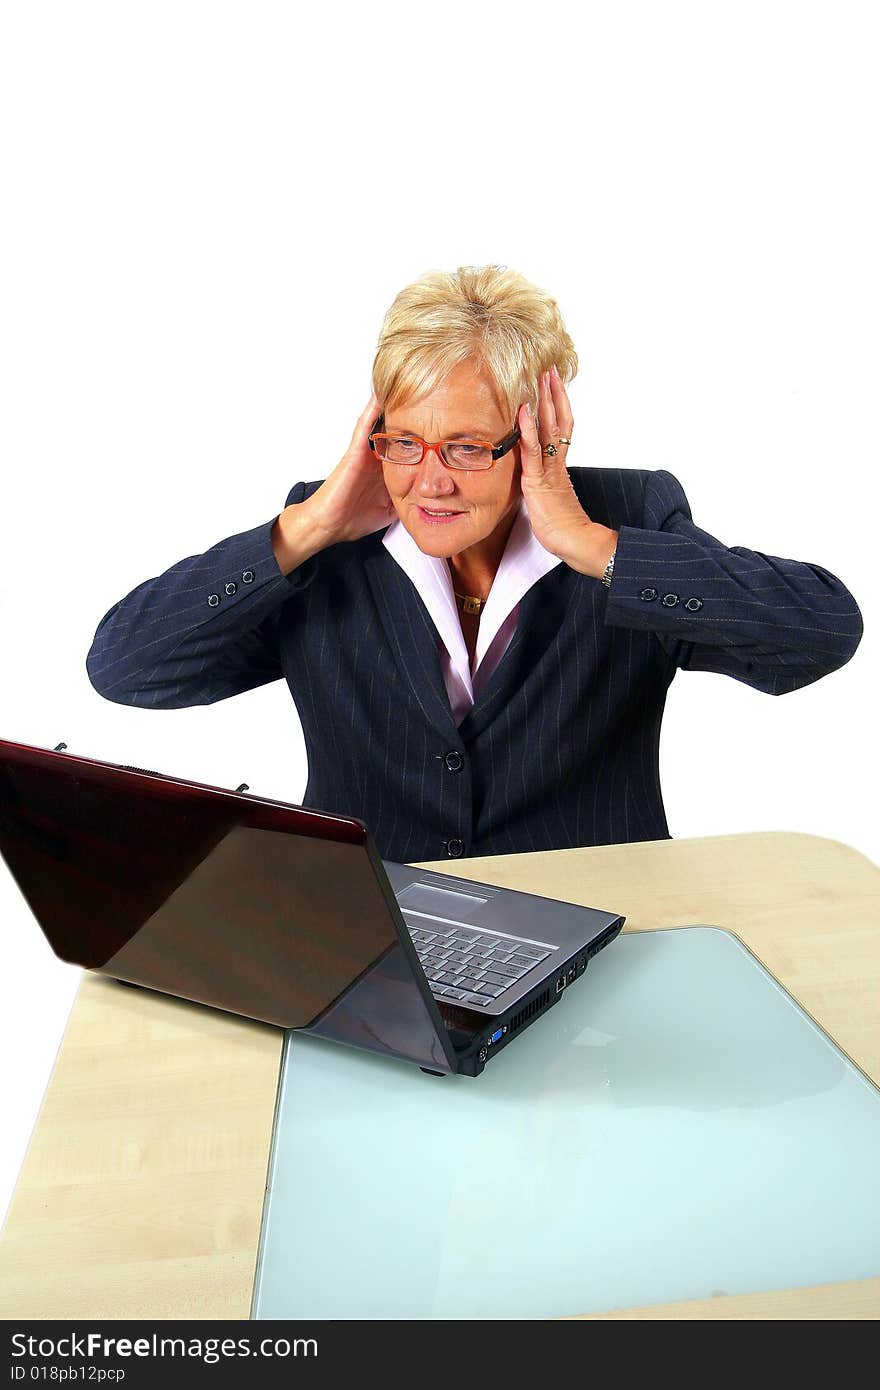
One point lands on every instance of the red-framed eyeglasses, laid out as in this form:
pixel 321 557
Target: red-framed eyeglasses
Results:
pixel 468 455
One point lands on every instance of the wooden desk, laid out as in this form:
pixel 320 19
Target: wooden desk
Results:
pixel 141 1192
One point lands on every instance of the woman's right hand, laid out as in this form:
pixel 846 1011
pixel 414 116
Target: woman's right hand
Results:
pixel 353 501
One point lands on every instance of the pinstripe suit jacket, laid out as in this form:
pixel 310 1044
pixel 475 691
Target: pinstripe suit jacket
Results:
pixel 561 748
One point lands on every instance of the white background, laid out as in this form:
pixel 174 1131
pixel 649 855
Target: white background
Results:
pixel 207 209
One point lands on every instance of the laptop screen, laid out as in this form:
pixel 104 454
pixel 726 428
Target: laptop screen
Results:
pixel 263 909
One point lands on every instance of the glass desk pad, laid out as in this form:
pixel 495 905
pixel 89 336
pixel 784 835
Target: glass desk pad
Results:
pixel 675 1127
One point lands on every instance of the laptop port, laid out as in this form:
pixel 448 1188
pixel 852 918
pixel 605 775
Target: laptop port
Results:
pixel 495 1036
pixel 572 971
pixel 560 984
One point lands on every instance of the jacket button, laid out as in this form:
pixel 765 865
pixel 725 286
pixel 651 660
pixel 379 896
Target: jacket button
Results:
pixel 694 604
pixel 230 588
pixel 669 600
pixel 247 577
pixel 213 600
pixel 454 761
pixel 455 848
pixel 647 594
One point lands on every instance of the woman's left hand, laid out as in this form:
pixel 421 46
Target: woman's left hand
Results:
pixel 557 517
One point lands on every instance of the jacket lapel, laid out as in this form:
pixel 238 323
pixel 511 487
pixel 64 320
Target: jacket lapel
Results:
pixel 412 638
pixel 541 612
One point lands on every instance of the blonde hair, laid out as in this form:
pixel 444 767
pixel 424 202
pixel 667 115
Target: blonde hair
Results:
pixel 487 313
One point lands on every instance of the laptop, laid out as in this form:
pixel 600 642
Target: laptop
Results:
pixel 281 913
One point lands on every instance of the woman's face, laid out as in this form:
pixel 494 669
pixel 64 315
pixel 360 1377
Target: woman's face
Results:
pixel 473 505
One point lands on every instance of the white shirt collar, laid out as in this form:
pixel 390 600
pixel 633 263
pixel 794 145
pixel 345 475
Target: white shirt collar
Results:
pixel 524 562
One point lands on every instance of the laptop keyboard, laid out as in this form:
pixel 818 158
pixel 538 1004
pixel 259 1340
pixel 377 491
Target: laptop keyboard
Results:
pixel 473 967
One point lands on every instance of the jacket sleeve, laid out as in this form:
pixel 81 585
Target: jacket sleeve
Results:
pixel 204 630
pixel 774 624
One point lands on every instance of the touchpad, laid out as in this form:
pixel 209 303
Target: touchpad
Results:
pixel 441 902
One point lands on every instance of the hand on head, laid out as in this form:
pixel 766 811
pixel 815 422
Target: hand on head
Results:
pixel 353 501
pixel 554 510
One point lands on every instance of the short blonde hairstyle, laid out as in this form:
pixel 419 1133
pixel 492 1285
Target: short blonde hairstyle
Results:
pixel 487 313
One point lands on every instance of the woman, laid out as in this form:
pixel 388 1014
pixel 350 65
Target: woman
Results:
pixel 478 641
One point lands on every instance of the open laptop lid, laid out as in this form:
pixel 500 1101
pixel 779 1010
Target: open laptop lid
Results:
pixel 271 911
